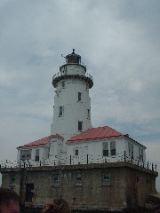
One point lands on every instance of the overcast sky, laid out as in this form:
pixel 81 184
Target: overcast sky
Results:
pixel 119 41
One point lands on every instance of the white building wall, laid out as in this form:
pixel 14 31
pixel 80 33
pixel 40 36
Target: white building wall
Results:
pixel 136 152
pixel 94 150
pixel 88 152
pixel 41 153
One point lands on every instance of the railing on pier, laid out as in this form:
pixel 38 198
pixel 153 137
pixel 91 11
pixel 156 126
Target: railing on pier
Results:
pixel 73 160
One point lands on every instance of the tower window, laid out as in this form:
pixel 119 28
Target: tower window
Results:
pixel 88 113
pixel 80 123
pixel 105 149
pixel 61 111
pixel 79 96
pixel 113 148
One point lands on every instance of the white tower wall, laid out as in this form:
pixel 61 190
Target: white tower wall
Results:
pixel 71 100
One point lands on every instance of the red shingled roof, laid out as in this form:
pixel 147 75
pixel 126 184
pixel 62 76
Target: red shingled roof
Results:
pixel 94 134
pixel 41 141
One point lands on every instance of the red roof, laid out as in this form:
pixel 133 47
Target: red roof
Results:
pixel 94 134
pixel 41 141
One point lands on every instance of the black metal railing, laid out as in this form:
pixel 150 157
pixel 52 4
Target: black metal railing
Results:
pixel 76 160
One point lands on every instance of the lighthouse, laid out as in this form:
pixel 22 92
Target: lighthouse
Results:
pixel 72 138
pixel 77 157
pixel 72 105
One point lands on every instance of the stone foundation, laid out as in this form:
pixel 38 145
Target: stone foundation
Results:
pixel 87 188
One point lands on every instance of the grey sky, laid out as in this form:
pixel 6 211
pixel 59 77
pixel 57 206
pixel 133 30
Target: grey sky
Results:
pixel 119 41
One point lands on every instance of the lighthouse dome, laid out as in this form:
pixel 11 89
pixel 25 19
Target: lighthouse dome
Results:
pixel 73 58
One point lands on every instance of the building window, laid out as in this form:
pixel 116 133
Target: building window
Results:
pixel 29 192
pixel 37 155
pixel 140 154
pixel 25 155
pixel 88 113
pixel 106 179
pixel 61 111
pixel 79 96
pixel 63 84
pixel 80 125
pixel 130 150
pixel 105 149
pixel 76 152
pixel 113 148
pixel 28 156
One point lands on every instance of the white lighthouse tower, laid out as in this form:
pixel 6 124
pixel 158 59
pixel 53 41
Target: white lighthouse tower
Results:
pixel 72 108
